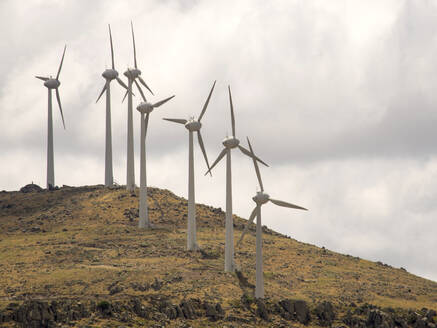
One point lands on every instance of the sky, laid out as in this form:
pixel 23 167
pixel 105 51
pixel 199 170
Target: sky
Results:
pixel 338 97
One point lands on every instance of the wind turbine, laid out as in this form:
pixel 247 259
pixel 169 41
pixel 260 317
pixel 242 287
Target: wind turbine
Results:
pixel 260 199
pixel 230 143
pixel 109 75
pixel 51 83
pixel 145 107
pixel 193 126
pixel 132 74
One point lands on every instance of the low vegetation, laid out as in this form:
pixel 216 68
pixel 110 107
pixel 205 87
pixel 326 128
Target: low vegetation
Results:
pixel 79 251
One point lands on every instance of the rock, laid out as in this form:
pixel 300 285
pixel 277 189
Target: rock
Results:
pixel 296 310
pixel 302 312
pixel 157 284
pixel 430 314
pixel 379 319
pixel 353 322
pixel 115 289
pixel 247 301
pixel 31 188
pixel 139 309
pixel 188 309
pixel 261 310
pixel 213 312
pixel 325 313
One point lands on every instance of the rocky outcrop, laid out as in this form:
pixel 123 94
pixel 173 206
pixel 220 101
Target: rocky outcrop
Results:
pixel 31 188
pixel 159 308
pixel 379 319
pixel 297 310
pixel 325 313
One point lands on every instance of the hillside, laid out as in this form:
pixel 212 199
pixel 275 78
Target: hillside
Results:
pixel 75 257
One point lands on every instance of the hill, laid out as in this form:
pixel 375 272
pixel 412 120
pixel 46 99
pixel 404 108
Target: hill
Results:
pixel 75 257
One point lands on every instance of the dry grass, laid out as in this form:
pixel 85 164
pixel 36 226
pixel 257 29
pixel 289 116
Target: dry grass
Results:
pixel 78 242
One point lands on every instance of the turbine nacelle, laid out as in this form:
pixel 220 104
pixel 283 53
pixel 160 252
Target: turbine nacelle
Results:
pixel 261 198
pixel 52 83
pixel 230 142
pixel 193 125
pixel 145 107
pixel 132 73
pixel 110 74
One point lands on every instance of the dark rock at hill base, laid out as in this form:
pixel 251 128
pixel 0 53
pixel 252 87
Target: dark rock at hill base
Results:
pixel 325 313
pixel 261 310
pixel 379 319
pixel 295 310
pixel 31 188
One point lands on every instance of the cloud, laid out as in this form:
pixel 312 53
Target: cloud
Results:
pixel 338 98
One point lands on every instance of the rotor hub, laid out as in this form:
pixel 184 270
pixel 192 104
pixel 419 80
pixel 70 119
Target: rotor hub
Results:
pixel 193 125
pixel 52 83
pixel 261 198
pixel 145 107
pixel 110 74
pixel 132 73
pixel 230 142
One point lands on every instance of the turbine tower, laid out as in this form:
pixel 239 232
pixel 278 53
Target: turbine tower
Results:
pixel 145 107
pixel 230 143
pixel 109 75
pixel 132 74
pixel 51 84
pixel 193 126
pixel 260 199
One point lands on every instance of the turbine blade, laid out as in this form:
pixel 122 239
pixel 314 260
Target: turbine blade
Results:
pixel 101 93
pixel 125 95
pixel 220 156
pixel 285 204
pixel 144 83
pixel 112 47
pixel 133 40
pixel 42 78
pixel 255 162
pixel 232 111
pixel 207 102
pixel 141 91
pixel 60 65
pixel 159 103
pixel 248 153
pixel 60 107
pixel 120 81
pixel 202 147
pixel 246 228
pixel 176 120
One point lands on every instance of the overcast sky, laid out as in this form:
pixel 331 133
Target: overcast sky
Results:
pixel 339 97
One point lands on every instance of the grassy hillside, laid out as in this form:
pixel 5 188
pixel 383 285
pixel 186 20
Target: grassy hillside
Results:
pixel 83 244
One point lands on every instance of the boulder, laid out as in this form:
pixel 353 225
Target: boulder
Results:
pixel 261 310
pixel 296 310
pixel 188 309
pixel 325 313
pixel 379 319
pixel 213 312
pixel 302 312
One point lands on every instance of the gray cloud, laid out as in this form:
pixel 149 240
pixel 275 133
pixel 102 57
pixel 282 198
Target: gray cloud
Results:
pixel 338 98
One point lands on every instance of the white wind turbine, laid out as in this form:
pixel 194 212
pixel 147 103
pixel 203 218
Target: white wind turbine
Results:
pixel 260 199
pixel 193 126
pixel 230 143
pixel 132 74
pixel 51 84
pixel 145 107
pixel 109 75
